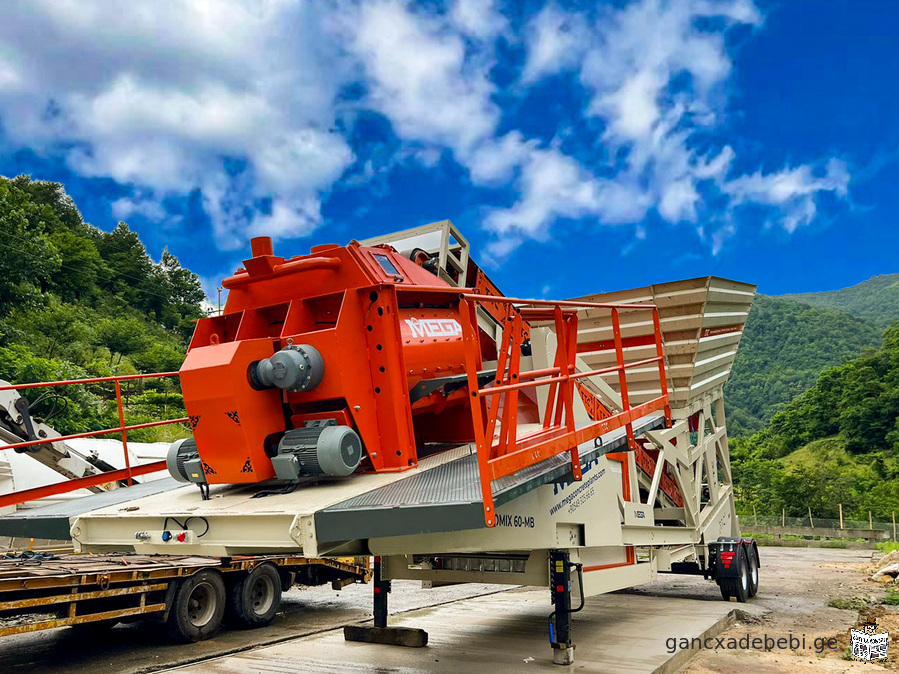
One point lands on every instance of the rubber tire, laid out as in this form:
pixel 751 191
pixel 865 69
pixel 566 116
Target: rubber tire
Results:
pixel 244 609
pixel 753 570
pixel 179 624
pixel 737 587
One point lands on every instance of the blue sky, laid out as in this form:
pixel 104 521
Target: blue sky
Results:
pixel 580 146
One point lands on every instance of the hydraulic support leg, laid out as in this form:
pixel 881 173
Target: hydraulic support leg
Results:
pixel 379 633
pixel 560 619
pixel 381 590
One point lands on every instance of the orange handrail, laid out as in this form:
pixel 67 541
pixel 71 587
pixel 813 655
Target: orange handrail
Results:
pixel 127 473
pixel 509 453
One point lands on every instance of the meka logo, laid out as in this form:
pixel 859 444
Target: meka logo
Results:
pixel 434 327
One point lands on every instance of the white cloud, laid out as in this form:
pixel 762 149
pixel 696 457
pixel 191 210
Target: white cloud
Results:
pixel 478 18
pixel 657 81
pixel 552 186
pixel 252 103
pixel 679 200
pixel 9 77
pixel 494 161
pixel 792 191
pixel 555 41
pixel 163 96
pixel 288 219
pixel 422 77
pixel 150 208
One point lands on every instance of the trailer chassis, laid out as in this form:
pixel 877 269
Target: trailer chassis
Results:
pixel 38 594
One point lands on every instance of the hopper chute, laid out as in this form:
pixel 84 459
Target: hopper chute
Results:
pixel 702 322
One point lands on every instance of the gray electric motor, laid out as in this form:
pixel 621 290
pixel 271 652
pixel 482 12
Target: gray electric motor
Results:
pixel 318 451
pixel 183 462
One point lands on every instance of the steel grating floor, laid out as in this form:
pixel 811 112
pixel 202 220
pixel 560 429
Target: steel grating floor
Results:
pixel 448 497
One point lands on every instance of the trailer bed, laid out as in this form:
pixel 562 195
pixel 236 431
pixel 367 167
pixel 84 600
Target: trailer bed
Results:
pixel 39 593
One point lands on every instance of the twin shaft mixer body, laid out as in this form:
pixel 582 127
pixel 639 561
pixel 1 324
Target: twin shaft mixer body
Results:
pixel 348 358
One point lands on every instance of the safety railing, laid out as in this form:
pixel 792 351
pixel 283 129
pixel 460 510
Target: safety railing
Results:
pixel 501 450
pixel 127 474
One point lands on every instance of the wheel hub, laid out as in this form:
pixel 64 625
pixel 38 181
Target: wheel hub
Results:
pixel 261 595
pixel 200 605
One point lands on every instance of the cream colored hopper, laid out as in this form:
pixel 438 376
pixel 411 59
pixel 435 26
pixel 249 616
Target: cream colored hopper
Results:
pixel 702 322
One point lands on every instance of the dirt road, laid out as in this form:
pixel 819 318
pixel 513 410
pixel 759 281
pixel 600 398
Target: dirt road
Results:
pixel 802 588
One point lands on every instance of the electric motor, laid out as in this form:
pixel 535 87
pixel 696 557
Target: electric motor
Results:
pixel 183 461
pixel 318 451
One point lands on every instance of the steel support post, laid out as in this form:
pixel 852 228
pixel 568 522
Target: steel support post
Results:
pixel 379 633
pixel 560 620
pixel 381 589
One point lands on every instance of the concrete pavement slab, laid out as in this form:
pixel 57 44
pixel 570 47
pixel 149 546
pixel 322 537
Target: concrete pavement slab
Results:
pixel 505 632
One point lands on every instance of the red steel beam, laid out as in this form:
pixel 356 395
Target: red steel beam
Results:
pixel 95 380
pixel 90 434
pixel 556 444
pixel 494 390
pixel 549 303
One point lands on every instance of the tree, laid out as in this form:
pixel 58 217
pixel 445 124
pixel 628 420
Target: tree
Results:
pixel 184 295
pixel 29 260
pixel 80 266
pixel 54 326
pixel 123 336
pixel 130 268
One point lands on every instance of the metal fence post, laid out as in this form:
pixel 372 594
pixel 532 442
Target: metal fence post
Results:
pixel 118 399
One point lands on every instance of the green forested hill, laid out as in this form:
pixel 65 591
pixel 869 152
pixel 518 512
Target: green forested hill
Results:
pixel 76 301
pixel 784 348
pixel 837 443
pixel 876 299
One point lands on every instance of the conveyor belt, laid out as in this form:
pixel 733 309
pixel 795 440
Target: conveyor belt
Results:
pixel 448 497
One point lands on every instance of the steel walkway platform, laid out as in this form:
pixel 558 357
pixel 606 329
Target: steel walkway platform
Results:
pixel 448 497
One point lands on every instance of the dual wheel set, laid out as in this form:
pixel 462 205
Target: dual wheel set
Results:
pixel 203 601
pixel 742 583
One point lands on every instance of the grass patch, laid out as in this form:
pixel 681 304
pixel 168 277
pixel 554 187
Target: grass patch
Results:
pixel 892 597
pixel 886 547
pixel 842 545
pixel 167 433
pixel 856 603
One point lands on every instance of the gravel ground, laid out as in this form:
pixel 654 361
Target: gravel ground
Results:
pixel 800 588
